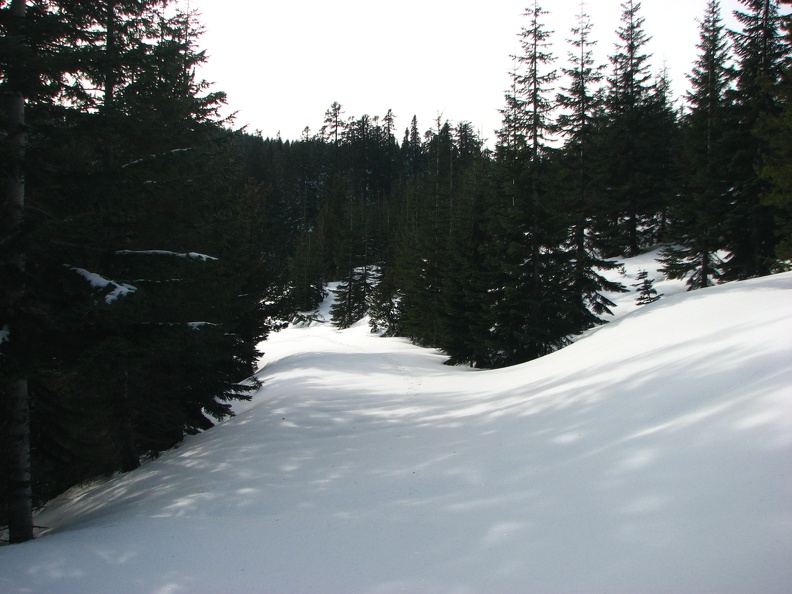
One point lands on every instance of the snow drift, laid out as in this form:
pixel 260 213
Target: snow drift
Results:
pixel 653 455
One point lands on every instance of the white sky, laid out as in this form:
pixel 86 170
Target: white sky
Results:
pixel 283 63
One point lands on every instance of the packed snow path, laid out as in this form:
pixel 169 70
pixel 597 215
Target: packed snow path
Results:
pixel 654 455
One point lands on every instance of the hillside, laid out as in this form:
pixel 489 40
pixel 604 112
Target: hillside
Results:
pixel 653 455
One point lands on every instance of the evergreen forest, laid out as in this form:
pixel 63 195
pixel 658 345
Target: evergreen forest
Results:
pixel 148 247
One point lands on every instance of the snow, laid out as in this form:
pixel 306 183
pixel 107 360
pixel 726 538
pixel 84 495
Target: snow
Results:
pixel 99 282
pixel 190 255
pixel 5 333
pixel 652 455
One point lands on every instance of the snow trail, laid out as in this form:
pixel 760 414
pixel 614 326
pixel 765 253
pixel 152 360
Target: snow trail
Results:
pixel 653 455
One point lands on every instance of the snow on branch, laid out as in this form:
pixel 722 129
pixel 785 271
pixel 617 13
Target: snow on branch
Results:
pixel 199 325
pixel 99 282
pixel 152 157
pixel 5 334
pixel 191 255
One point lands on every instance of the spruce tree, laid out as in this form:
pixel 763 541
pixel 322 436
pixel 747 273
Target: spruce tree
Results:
pixel 524 238
pixel 581 102
pixel 645 286
pixel 698 214
pixel 776 130
pixel 132 183
pixel 464 327
pixel 630 143
pixel 750 223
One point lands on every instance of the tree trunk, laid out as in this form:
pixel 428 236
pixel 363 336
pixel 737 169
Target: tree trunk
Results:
pixel 20 506
pixel 16 388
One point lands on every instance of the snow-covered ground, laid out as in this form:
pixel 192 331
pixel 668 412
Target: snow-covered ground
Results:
pixel 653 455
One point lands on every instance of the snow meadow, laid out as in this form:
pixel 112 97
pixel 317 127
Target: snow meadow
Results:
pixel 652 455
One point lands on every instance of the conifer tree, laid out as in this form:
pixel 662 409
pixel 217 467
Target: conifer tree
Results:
pixel 581 102
pixel 750 223
pixel 631 146
pixel 525 239
pixel 776 130
pixel 645 286
pixel 132 183
pixel 464 325
pixel 697 232
pixel 426 238
pixel 334 126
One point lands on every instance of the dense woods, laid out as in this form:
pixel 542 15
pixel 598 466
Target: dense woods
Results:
pixel 148 248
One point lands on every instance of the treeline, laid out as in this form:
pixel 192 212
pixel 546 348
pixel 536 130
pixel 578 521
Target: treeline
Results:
pixel 140 266
pixel 496 257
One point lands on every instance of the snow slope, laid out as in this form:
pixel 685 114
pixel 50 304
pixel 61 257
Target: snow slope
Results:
pixel 653 455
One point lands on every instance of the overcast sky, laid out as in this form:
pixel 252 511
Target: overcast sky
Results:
pixel 283 63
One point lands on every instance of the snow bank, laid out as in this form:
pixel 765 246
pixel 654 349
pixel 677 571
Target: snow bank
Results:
pixel 653 455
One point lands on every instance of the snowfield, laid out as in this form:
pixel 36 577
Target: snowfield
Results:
pixel 653 455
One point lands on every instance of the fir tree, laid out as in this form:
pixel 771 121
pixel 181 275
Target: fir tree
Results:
pixel 749 223
pixel 776 130
pixel 697 232
pixel 133 336
pixel 645 287
pixel 524 240
pixel 630 142
pixel 581 102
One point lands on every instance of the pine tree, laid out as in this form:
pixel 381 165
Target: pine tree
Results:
pixel 423 254
pixel 645 286
pixel 776 130
pixel 749 223
pixel 581 102
pixel 128 187
pixel 334 126
pixel 524 238
pixel 464 327
pixel 697 232
pixel 630 143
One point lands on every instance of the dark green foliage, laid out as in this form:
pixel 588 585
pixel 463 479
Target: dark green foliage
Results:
pixel 634 142
pixel 583 102
pixel 150 275
pixel 750 222
pixel 697 217
pixel 775 128
pixel 645 287
pixel 351 298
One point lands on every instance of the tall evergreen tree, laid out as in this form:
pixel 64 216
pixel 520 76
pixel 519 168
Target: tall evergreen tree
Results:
pixel 697 232
pixel 525 239
pixel 631 146
pixel 581 102
pixel 777 131
pixel 750 223
pixel 131 185
pixel 464 327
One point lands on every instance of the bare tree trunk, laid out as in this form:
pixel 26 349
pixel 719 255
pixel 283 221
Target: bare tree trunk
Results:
pixel 16 388
pixel 20 507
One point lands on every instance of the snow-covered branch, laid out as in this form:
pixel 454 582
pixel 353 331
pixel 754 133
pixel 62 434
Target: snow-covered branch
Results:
pixel 152 157
pixel 198 325
pixel 99 282
pixel 191 255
